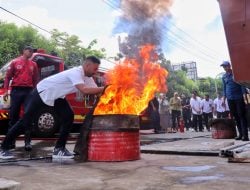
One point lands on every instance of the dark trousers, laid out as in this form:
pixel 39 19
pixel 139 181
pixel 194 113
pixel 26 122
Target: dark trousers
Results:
pixel 238 111
pixel 219 115
pixel 197 120
pixel 206 118
pixel 62 108
pixel 176 118
pixel 155 120
pixel 187 119
pixel 225 114
pixel 18 97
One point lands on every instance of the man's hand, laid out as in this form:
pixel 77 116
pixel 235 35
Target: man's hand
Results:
pixel 105 87
pixel 245 98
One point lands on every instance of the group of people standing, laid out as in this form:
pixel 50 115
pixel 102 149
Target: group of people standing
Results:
pixel 51 92
pixel 206 109
pixel 196 111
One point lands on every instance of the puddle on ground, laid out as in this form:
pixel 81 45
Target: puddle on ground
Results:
pixel 200 179
pixel 188 168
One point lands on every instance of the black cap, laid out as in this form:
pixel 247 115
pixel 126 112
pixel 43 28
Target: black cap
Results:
pixel 28 48
pixel 225 63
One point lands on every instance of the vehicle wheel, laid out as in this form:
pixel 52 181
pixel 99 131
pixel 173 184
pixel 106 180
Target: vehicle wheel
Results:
pixel 45 123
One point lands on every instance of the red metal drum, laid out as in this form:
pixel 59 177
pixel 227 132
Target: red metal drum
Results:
pixel 114 138
pixel 223 129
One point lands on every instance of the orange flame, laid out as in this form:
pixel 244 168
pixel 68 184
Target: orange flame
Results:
pixel 133 84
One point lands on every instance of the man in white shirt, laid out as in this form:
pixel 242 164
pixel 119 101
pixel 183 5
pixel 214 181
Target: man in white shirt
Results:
pixel 207 109
pixel 195 103
pixel 218 106
pixel 51 92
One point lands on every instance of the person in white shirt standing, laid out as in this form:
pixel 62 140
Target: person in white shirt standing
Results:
pixel 218 106
pixel 51 92
pixel 195 103
pixel 207 110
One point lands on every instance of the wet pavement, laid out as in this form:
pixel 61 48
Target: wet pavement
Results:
pixel 155 170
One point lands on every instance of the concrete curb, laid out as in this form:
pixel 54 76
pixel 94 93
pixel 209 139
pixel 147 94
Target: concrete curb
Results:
pixel 188 153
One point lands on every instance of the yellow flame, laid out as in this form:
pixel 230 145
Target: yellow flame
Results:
pixel 133 84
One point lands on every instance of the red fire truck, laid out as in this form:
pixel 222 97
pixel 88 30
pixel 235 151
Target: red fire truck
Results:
pixel 46 123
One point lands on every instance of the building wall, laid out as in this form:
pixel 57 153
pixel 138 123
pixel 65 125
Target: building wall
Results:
pixel 190 67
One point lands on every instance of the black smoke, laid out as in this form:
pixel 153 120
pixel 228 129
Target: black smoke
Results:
pixel 143 21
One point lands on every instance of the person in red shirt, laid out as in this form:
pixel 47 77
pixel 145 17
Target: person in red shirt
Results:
pixel 22 77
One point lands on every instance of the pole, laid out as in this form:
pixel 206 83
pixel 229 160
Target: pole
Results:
pixel 215 81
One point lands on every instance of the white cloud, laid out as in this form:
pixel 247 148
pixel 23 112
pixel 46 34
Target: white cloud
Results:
pixel 38 16
pixel 194 14
pixel 191 16
pixel 206 41
pixel 86 30
pixel 108 43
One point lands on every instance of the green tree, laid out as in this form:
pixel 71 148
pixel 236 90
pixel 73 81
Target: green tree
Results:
pixel 71 50
pixel 208 86
pixel 219 84
pixel 69 47
pixel 177 81
pixel 8 46
pixel 164 62
pixel 13 39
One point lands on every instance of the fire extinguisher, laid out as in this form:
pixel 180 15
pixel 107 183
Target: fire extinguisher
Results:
pixel 181 125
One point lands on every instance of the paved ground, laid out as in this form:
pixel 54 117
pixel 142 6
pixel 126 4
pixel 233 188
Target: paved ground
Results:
pixel 168 168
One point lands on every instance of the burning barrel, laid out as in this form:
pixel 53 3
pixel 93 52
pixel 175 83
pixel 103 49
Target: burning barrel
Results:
pixel 114 137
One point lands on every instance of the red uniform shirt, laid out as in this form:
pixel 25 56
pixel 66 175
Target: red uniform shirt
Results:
pixel 24 73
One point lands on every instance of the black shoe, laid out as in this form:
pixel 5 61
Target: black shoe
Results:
pixel 245 139
pixel 27 141
pixel 28 147
pixel 12 146
pixel 62 153
pixel 159 132
pixel 5 154
pixel 238 138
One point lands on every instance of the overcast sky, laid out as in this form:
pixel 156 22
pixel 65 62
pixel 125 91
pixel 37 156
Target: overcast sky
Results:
pixel 196 32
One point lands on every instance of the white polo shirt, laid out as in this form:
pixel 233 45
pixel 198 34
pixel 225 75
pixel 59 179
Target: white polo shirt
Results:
pixel 196 105
pixel 207 105
pixel 218 103
pixel 61 84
